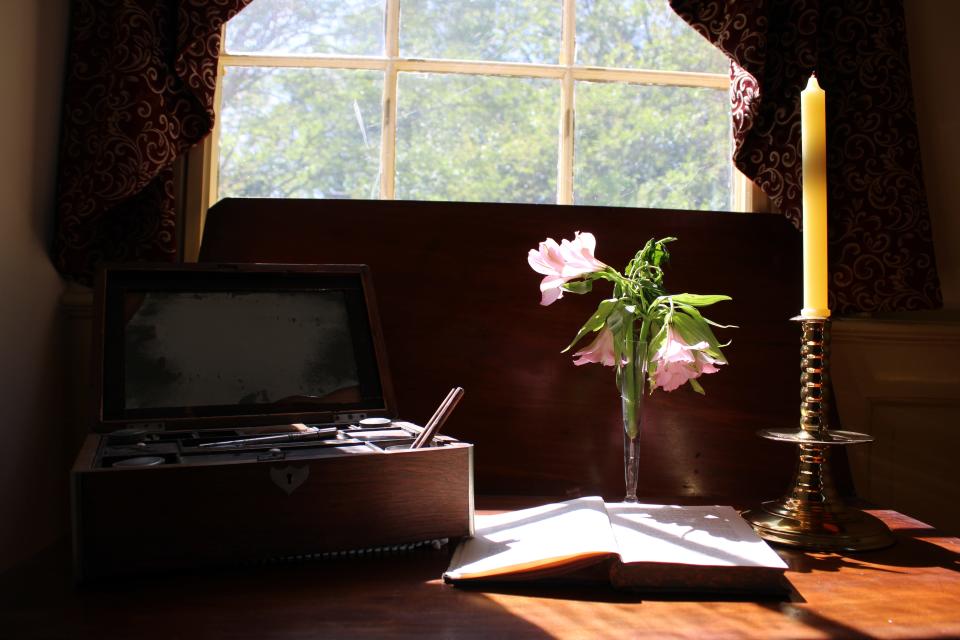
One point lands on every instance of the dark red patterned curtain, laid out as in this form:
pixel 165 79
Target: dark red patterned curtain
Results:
pixel 880 242
pixel 138 93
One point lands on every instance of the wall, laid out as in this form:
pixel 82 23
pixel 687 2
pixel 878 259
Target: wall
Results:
pixel 32 461
pixel 895 376
pixel 934 51
pixel 898 381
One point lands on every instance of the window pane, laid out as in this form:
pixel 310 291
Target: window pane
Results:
pixel 502 30
pixel 300 133
pixel 645 146
pixel 642 34
pixel 477 138
pixel 338 27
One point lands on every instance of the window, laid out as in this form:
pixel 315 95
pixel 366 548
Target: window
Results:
pixel 597 102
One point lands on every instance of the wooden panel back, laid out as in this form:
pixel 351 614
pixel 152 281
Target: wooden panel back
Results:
pixel 460 306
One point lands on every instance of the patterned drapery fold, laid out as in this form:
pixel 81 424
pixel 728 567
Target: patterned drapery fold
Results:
pixel 138 92
pixel 880 241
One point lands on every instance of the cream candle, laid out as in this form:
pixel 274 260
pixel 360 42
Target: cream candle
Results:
pixel 814 164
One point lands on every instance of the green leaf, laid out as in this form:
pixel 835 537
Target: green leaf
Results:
pixel 698 300
pixel 619 323
pixel 696 386
pixel 578 286
pixel 659 335
pixel 696 314
pixel 645 265
pixel 595 322
pixel 694 330
pixel 660 253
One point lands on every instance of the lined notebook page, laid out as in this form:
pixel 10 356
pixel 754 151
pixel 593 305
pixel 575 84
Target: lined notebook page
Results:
pixel 700 535
pixel 534 538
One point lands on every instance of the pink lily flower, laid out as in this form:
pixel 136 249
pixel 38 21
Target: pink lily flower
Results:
pixel 563 262
pixel 679 362
pixel 599 351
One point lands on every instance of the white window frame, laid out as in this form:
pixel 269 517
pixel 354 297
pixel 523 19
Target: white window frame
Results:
pixel 200 172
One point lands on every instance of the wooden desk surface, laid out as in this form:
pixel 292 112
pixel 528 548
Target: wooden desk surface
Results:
pixel 911 590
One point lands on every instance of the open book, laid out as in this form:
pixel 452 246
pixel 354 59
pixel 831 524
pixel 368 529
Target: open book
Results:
pixel 659 548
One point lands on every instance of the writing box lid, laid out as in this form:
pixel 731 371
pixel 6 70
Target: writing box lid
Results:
pixel 221 346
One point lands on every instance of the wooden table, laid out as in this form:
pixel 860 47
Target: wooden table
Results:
pixel 911 590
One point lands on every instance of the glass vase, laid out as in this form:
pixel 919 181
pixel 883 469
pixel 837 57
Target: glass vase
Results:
pixel 631 376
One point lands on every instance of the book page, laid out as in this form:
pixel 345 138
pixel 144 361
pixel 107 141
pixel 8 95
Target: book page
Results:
pixel 534 539
pixel 693 535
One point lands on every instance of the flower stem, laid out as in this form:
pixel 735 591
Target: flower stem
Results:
pixel 633 374
pixel 632 385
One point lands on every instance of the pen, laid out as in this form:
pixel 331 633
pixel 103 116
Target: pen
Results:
pixel 439 417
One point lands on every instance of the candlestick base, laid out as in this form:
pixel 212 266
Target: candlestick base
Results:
pixel 812 515
pixel 784 522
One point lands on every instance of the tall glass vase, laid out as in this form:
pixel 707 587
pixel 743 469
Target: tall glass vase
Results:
pixel 631 376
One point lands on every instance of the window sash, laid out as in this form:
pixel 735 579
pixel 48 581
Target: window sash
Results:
pixel 392 66
pixel 202 165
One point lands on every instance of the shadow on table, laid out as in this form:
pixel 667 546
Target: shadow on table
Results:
pixel 561 590
pixel 910 550
pixel 368 597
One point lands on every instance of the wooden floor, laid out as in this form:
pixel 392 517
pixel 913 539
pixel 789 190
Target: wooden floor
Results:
pixel 911 590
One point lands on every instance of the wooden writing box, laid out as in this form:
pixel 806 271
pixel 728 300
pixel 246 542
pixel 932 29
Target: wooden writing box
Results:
pixel 194 361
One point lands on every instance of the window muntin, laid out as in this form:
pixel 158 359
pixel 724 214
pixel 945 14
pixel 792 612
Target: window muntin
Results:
pixel 434 143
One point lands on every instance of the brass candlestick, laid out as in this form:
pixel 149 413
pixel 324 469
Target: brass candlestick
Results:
pixel 812 515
